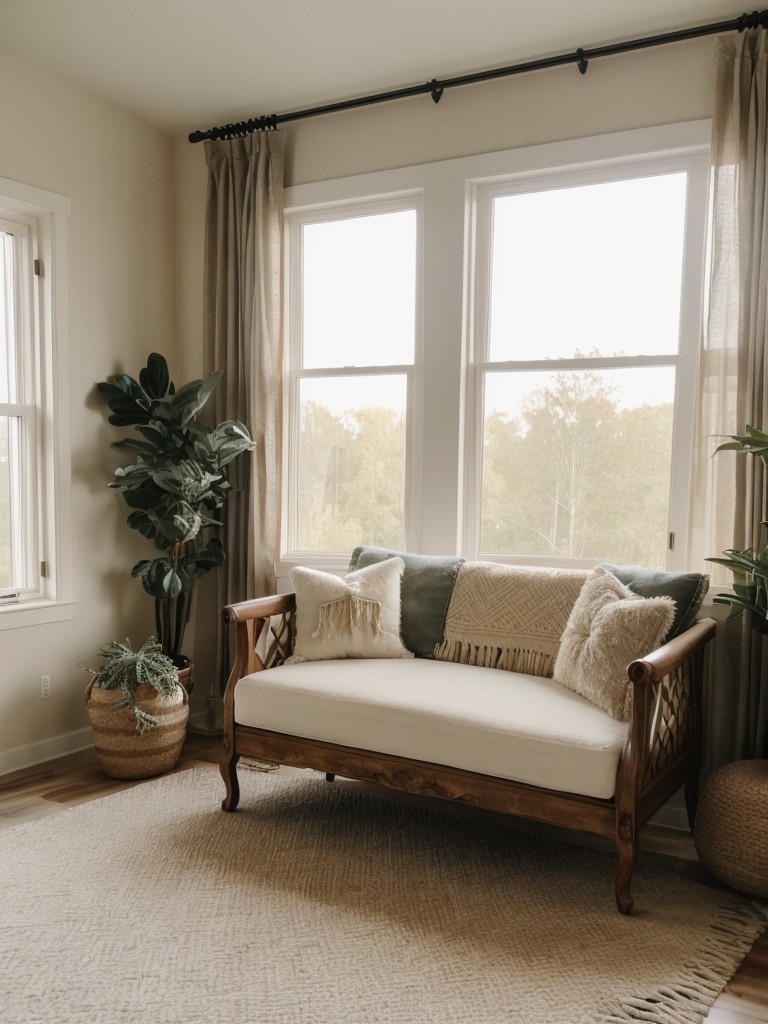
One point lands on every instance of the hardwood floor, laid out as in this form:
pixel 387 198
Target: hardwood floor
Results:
pixel 47 788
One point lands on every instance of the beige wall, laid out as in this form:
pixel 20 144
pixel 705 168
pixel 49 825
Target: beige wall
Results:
pixel 128 270
pixel 119 176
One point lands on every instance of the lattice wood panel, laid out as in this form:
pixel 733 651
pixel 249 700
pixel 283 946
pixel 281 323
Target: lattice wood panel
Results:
pixel 280 634
pixel 672 728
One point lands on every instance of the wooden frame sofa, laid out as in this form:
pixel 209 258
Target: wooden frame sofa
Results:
pixel 659 755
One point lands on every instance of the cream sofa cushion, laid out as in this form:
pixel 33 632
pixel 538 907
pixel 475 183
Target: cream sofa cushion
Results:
pixel 508 725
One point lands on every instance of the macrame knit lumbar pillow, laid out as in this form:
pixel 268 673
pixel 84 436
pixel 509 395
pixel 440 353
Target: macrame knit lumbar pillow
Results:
pixel 609 627
pixel 508 617
pixel 355 616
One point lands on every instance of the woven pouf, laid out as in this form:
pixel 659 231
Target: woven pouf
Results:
pixel 731 826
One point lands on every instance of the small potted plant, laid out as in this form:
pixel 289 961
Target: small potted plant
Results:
pixel 138 710
pixel 176 488
pixel 729 828
pixel 750 566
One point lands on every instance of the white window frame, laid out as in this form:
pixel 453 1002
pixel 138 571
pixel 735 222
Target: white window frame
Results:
pixel 48 544
pixel 296 219
pixel 444 447
pixel 694 163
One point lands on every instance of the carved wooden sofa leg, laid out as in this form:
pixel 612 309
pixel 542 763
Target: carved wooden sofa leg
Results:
pixel 627 850
pixel 228 769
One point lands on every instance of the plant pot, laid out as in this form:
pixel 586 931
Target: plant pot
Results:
pixel 185 677
pixel 124 753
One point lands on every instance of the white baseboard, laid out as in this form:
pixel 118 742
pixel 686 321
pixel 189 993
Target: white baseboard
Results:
pixel 44 750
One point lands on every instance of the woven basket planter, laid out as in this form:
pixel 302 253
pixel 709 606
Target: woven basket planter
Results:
pixel 731 826
pixel 124 753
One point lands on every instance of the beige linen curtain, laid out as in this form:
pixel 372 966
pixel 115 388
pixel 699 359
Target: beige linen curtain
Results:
pixel 243 337
pixel 729 489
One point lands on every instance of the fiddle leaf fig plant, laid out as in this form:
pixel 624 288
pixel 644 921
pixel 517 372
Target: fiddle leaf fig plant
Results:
pixel 750 566
pixel 175 488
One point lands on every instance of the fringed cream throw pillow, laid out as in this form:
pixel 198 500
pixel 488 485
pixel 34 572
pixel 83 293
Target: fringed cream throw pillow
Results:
pixel 508 617
pixel 357 616
pixel 609 627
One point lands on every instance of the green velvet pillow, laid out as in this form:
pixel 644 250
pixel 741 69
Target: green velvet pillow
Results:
pixel 425 588
pixel 687 590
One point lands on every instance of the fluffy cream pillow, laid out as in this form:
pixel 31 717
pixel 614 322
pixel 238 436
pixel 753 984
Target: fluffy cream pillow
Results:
pixel 609 627
pixel 357 616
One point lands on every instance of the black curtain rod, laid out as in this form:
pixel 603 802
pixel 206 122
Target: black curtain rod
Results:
pixel 435 88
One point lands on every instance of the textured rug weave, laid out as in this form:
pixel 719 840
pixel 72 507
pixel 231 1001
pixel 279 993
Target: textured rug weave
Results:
pixel 318 904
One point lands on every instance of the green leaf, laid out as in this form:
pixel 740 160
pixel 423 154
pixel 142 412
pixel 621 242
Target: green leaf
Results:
pixel 140 499
pixel 193 566
pixel 137 446
pixel 156 437
pixel 159 578
pixel 155 378
pixel 141 521
pixel 191 398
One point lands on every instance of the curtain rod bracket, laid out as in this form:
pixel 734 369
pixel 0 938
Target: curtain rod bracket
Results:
pixel 435 90
pixel 582 62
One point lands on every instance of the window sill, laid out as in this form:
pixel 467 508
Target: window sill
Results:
pixel 35 613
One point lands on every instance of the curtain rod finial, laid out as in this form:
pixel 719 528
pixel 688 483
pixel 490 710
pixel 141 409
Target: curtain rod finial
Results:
pixel 757 19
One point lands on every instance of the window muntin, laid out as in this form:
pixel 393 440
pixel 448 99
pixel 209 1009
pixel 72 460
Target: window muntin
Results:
pixel 353 295
pixel 577 459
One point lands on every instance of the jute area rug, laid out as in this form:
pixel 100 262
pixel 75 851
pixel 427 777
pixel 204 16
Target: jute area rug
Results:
pixel 319 904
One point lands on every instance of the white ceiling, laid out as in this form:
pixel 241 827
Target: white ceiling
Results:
pixel 188 64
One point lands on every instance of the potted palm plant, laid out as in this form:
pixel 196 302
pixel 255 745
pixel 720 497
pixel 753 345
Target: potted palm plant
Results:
pixel 730 825
pixel 750 566
pixel 175 488
pixel 137 709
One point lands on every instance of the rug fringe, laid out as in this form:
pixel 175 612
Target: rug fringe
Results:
pixel 689 999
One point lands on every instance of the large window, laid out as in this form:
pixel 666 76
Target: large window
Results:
pixel 33 433
pixel 578 348
pixel 502 363
pixel 354 338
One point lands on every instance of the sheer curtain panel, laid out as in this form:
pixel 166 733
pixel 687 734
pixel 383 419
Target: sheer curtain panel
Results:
pixel 729 498
pixel 243 337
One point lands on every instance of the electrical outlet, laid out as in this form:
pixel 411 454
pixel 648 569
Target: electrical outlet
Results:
pixel 45 691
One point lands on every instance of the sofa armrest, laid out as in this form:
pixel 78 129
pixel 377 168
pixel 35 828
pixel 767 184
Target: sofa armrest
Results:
pixel 264 632
pixel 662 748
pixel 670 655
